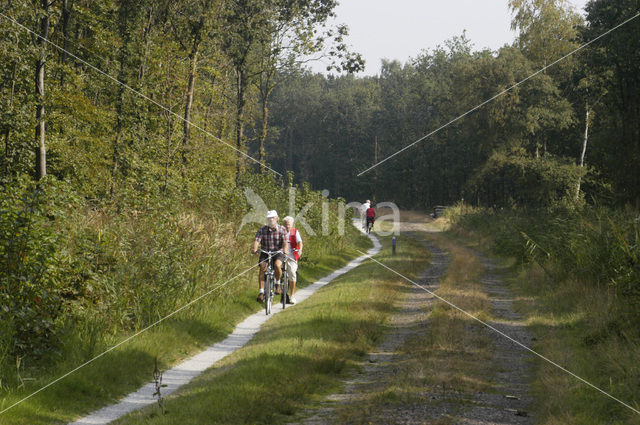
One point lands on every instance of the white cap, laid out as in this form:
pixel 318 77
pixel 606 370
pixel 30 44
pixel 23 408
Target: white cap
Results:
pixel 272 213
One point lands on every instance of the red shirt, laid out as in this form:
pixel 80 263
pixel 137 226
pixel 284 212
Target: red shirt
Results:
pixel 371 213
pixel 293 243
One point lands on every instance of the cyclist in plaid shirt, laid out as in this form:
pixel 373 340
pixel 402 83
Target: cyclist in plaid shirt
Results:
pixel 271 237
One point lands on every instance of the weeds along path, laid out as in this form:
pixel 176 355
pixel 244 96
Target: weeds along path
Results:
pixel 184 372
pixel 434 365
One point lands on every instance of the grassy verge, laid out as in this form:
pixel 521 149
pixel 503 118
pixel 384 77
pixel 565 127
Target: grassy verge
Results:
pixel 300 355
pixel 131 365
pixel 574 326
pixel 568 321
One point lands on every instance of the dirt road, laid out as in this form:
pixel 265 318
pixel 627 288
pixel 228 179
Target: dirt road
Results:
pixel 369 394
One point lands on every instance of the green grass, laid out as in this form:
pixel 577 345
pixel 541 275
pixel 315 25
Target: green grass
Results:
pixel 567 321
pixel 455 351
pixel 300 355
pixel 131 365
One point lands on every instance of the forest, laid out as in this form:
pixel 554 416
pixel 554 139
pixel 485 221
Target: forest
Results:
pixel 123 162
pixel 569 134
pixel 131 130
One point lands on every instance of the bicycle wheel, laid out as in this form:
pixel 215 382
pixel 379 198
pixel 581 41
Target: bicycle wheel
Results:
pixel 285 284
pixel 268 294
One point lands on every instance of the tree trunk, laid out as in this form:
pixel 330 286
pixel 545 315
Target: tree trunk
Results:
pixel 6 132
pixel 187 110
pixel 584 148
pixel 169 119
pixel 289 160
pixel 66 13
pixel 240 103
pixel 115 165
pixel 147 41
pixel 116 141
pixel 6 153
pixel 636 159
pixel 263 134
pixel 207 114
pixel 41 150
pixel 266 87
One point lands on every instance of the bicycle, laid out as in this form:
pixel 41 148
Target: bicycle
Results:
pixel 284 287
pixel 269 280
pixel 369 225
pixel 285 282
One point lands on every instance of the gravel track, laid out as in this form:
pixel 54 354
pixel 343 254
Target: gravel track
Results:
pixel 507 402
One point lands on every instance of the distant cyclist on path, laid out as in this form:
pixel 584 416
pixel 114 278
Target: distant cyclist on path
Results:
pixel 363 213
pixel 371 217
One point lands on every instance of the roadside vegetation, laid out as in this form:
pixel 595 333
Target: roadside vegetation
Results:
pixel 122 190
pixel 81 278
pixel 301 354
pixel 577 275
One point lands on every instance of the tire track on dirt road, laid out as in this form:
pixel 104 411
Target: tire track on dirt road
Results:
pixel 508 399
pixel 377 369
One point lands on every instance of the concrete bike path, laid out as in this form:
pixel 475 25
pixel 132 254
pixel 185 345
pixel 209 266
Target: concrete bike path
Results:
pixel 181 374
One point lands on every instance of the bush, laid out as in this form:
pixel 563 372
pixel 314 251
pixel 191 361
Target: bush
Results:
pixel 34 265
pixel 517 179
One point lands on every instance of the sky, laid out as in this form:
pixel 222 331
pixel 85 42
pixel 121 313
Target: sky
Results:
pixel 400 29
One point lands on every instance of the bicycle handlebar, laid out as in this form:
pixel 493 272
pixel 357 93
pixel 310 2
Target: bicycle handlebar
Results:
pixel 271 253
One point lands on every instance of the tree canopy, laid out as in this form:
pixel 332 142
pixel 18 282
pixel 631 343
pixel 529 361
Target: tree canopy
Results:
pixel 526 142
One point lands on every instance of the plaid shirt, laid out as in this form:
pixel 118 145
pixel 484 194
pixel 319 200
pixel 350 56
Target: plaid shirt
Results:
pixel 272 239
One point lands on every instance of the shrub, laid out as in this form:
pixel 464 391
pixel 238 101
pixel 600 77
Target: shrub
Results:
pixel 33 264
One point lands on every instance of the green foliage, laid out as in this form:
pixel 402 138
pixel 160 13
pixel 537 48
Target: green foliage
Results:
pixel 614 68
pixel 548 29
pixel 35 272
pixel 329 129
pixel 333 128
pixel 145 220
pixel 77 275
pixel 515 179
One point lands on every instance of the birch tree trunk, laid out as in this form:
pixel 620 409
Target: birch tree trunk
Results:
pixel 41 150
pixel 584 147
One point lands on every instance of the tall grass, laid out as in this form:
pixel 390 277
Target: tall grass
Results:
pixel 598 246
